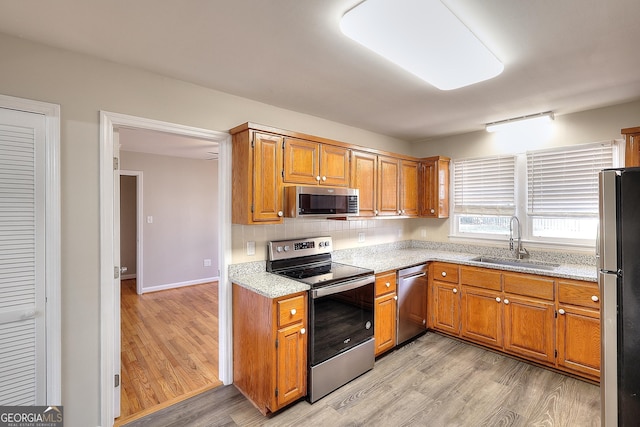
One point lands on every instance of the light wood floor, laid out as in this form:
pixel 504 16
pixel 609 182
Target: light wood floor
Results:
pixel 434 381
pixel 169 346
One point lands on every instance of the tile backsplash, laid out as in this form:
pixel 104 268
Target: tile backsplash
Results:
pixel 345 234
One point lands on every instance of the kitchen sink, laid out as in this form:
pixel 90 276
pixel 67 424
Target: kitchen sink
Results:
pixel 526 263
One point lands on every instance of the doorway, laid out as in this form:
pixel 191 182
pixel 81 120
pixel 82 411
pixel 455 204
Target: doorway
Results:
pixel 110 123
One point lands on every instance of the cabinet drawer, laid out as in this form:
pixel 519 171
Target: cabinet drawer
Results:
pixel 385 283
pixel 290 310
pixel 480 278
pixel 585 294
pixel 445 272
pixel 528 285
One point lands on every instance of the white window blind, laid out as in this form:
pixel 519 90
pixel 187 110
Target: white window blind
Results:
pixel 22 340
pixel 564 182
pixel 485 185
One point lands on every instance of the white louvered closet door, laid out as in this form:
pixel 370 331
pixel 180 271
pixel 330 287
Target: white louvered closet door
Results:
pixel 22 255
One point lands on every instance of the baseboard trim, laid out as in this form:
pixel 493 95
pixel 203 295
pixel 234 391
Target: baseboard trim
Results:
pixel 179 284
pixel 128 276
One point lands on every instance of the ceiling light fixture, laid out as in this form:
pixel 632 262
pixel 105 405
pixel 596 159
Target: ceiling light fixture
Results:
pixel 425 38
pixel 530 120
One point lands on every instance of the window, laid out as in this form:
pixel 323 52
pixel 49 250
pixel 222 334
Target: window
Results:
pixel 484 194
pixel 556 197
pixel 562 189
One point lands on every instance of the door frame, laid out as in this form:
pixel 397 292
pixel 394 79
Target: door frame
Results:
pixel 53 263
pixel 109 122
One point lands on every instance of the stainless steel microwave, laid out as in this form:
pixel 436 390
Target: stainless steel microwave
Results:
pixel 308 201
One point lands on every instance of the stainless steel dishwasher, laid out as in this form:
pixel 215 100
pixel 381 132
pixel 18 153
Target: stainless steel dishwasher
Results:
pixel 412 302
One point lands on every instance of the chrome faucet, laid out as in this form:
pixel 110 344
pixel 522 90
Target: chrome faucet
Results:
pixel 519 252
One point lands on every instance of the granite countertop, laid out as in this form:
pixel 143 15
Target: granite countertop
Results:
pixel 382 258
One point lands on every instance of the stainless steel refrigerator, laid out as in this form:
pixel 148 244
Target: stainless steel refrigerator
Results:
pixel 619 280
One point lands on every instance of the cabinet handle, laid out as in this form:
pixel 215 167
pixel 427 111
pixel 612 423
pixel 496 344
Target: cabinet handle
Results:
pixel 324 178
pixel 303 331
pixel 318 178
pixel 388 285
pixel 506 301
pixel 376 212
pixel 293 311
pixel 498 299
pixel 444 274
pixel 561 311
pixel 280 213
pixel 455 291
pixel 433 211
pixel 395 297
pixel 595 298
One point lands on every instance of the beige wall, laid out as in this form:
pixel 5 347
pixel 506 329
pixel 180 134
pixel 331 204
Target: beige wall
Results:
pixel 181 196
pixel 83 86
pixel 602 124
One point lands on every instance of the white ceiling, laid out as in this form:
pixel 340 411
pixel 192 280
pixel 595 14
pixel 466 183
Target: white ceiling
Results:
pixel 559 55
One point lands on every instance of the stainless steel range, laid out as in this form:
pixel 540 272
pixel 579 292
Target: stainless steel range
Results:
pixel 341 343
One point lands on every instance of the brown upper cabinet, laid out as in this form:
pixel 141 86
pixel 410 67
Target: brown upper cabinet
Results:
pixel 364 177
pixel 256 169
pixel 434 182
pixel 266 159
pixel 388 181
pixel 312 163
pixel 632 149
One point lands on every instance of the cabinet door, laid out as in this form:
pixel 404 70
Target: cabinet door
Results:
pixel 334 165
pixel 388 179
pixel 446 307
pixel 267 184
pixel 291 375
pixel 529 328
pixel 364 177
pixel 579 340
pixel 481 315
pixel 385 323
pixel 428 190
pixel 301 161
pixel 434 187
pixel 409 188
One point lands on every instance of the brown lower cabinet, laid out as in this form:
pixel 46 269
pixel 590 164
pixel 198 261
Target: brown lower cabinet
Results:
pixel 269 348
pixel 385 312
pixel 554 322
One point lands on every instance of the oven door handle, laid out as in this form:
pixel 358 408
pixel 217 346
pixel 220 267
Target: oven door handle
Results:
pixel 341 287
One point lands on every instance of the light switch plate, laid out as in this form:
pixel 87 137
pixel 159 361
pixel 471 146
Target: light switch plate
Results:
pixel 251 248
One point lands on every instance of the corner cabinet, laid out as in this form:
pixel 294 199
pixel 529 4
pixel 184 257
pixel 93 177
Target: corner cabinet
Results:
pixel 256 177
pixel 632 149
pixel 269 348
pixel 386 304
pixel 434 184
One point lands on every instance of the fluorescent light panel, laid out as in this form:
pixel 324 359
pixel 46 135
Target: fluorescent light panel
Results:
pixel 425 38
pixel 531 120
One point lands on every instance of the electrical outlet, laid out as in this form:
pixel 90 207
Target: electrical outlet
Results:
pixel 207 263
pixel 361 237
pixel 423 233
pixel 251 248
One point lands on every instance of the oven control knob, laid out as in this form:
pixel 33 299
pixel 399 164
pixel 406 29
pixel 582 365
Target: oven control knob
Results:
pixel 279 249
pixel 327 244
pixel 321 244
pixel 367 325
pixel 286 248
